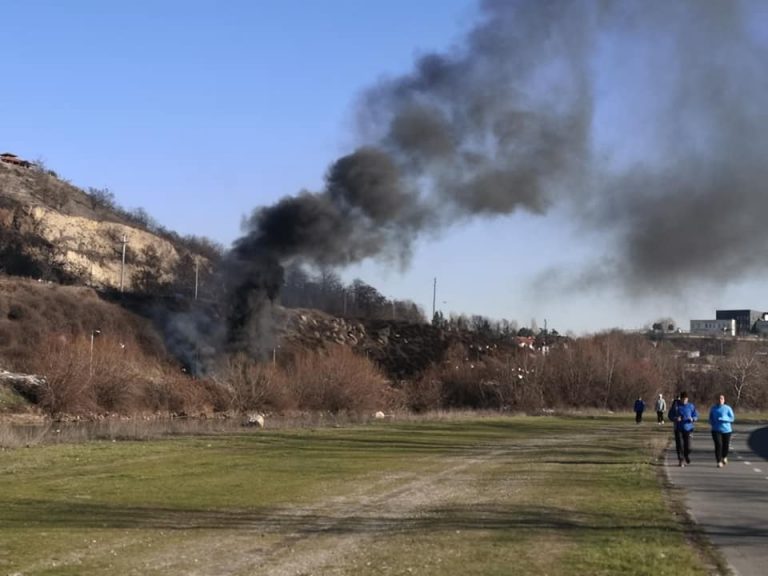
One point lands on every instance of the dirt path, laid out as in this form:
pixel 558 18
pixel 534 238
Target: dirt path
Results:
pixel 327 538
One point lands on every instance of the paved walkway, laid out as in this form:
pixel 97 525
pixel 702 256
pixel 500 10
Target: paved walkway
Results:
pixel 730 503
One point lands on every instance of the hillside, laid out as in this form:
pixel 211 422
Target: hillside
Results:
pixel 110 353
pixel 73 343
pixel 52 230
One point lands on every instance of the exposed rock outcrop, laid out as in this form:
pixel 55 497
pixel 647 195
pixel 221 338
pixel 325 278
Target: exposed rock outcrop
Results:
pixel 63 228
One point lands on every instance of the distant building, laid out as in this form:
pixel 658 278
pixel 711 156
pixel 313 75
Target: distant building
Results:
pixel 9 158
pixel 745 319
pixel 725 327
pixel 761 327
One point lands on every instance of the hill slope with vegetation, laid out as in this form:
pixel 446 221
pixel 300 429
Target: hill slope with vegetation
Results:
pixel 160 345
pixel 51 230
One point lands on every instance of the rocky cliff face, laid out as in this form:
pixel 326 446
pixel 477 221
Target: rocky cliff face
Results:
pixel 58 226
pixel 92 249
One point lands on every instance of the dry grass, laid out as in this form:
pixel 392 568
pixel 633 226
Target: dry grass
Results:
pixel 30 312
pixel 97 357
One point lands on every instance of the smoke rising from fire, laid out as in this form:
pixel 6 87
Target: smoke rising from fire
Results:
pixel 646 120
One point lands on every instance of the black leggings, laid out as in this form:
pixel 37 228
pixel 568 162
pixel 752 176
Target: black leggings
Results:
pixel 683 444
pixel 722 444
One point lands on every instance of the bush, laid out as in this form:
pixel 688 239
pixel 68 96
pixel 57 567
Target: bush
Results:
pixel 108 375
pixel 424 394
pixel 65 367
pixel 488 383
pixel 337 380
pixel 256 386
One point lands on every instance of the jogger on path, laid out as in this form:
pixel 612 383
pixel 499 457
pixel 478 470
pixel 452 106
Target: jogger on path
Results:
pixel 683 414
pixel 720 419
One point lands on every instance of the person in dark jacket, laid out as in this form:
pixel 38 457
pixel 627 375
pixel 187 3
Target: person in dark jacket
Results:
pixel 683 415
pixel 639 409
pixel 720 419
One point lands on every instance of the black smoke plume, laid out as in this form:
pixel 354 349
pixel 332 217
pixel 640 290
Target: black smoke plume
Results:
pixel 646 119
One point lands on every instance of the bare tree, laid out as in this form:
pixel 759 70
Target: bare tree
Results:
pixel 101 198
pixel 741 369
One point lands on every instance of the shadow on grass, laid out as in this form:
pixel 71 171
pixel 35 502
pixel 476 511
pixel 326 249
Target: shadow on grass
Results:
pixel 546 438
pixel 483 518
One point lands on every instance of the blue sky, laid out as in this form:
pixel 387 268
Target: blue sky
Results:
pixel 201 111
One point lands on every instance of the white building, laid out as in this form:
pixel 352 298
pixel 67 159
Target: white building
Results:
pixel 714 327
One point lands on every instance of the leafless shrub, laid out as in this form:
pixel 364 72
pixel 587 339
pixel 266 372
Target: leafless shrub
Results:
pixel 423 394
pixel 173 392
pixel 116 369
pixel 65 366
pixel 88 375
pixel 466 384
pixel 163 396
pixel 256 385
pixel 216 396
pixel 464 381
pixel 607 371
pixel 337 380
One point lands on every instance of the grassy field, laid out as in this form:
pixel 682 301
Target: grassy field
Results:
pixel 485 496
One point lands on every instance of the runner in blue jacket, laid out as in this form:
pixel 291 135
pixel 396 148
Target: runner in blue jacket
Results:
pixel 683 415
pixel 720 418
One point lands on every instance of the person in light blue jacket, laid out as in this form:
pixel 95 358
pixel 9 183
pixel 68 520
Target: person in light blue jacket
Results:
pixel 720 419
pixel 683 414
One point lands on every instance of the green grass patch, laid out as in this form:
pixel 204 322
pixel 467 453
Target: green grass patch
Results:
pixel 11 402
pixel 460 496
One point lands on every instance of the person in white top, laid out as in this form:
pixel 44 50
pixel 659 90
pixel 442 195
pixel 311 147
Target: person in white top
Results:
pixel 661 407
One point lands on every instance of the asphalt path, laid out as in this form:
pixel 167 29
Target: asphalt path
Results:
pixel 730 503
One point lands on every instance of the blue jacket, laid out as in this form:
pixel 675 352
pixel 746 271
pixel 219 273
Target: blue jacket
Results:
pixel 639 405
pixel 720 418
pixel 686 413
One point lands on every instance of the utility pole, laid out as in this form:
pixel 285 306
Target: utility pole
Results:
pixel 197 272
pixel 122 266
pixel 434 296
pixel 94 333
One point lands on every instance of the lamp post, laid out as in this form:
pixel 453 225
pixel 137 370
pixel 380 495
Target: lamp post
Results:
pixel 197 274
pixel 122 266
pixel 434 296
pixel 94 333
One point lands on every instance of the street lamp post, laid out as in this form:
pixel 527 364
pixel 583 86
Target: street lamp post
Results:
pixel 122 264
pixel 197 274
pixel 94 333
